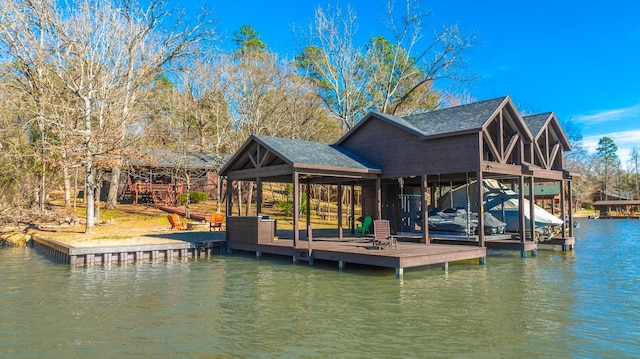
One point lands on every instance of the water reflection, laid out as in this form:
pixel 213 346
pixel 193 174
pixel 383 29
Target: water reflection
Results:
pixel 559 304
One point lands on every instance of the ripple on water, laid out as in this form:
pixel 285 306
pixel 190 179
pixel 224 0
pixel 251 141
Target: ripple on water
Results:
pixel 559 304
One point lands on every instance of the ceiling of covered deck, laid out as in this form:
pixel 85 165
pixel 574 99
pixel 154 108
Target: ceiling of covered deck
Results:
pixel 456 179
pixel 274 159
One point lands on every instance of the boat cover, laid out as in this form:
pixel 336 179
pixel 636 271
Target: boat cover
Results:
pixel 500 201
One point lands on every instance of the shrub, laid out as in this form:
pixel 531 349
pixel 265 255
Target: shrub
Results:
pixel 286 207
pixel 194 197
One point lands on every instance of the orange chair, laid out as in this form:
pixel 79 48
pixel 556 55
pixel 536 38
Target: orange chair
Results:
pixel 216 222
pixel 175 221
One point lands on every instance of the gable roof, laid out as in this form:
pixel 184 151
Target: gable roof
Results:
pixel 463 118
pixel 449 121
pixel 163 158
pixel 299 155
pixel 538 122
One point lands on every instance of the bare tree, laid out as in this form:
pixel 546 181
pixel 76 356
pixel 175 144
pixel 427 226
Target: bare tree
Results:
pixel 391 75
pixel 334 62
pixel 634 166
pixel 102 53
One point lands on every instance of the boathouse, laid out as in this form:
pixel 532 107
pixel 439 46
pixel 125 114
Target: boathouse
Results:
pixel 404 164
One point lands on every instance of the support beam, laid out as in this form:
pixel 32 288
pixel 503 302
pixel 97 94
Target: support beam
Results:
pixel 296 209
pixel 521 220
pixel 569 190
pixel 378 199
pixel 308 208
pixel 562 207
pixel 353 210
pixel 340 192
pixel 424 213
pixel 399 272
pixel 229 205
pixel 258 196
pixel 480 198
pixel 532 207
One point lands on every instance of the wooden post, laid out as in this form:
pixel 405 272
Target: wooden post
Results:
pixel 229 196
pixel 340 211
pixel 353 210
pixel 480 198
pixel 433 197
pixel 399 272
pixel 258 196
pixel 229 209
pixel 562 208
pixel 532 204
pixel 570 209
pixel 521 222
pixel 424 213
pixel 308 207
pixel 296 209
pixel 378 199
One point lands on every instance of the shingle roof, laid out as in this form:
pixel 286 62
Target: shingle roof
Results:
pixel 536 122
pixel 169 159
pixel 298 152
pixel 455 119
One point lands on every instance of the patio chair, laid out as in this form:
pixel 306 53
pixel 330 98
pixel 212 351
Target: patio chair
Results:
pixel 382 235
pixel 176 222
pixel 216 222
pixel 366 225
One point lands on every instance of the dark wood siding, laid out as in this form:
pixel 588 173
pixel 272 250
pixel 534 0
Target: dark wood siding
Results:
pixel 369 201
pixel 401 153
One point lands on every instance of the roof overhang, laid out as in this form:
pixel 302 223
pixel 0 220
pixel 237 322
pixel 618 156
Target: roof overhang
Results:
pixel 280 168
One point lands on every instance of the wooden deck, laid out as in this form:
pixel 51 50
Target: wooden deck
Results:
pixel 359 250
pixel 191 245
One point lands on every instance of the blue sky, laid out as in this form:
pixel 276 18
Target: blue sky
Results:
pixel 579 59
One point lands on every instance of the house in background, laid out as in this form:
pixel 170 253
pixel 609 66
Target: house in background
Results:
pixel 159 176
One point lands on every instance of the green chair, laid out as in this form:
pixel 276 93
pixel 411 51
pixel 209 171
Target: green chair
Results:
pixel 366 225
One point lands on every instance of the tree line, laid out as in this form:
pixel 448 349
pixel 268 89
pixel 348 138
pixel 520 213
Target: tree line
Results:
pixel 601 175
pixel 86 83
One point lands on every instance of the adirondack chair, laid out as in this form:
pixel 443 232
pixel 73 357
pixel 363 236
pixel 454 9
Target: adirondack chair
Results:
pixel 216 222
pixel 382 235
pixel 176 222
pixel 366 225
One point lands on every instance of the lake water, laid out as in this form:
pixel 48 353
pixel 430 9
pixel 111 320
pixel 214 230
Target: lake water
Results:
pixel 581 304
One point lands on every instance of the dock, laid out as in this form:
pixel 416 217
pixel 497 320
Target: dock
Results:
pixel 325 245
pixel 169 246
pixel 509 242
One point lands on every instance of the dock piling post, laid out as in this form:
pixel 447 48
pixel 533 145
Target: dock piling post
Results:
pixel 445 266
pixel 523 254
pixel 340 265
pixel 482 261
pixel 534 253
pixel 399 272
pixel 258 254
